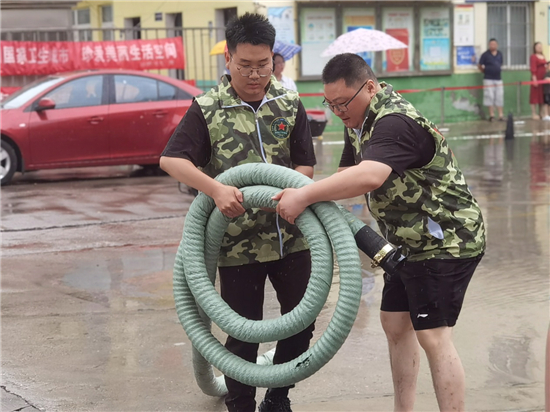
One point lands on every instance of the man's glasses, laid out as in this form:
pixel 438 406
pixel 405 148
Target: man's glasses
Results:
pixel 342 107
pixel 246 71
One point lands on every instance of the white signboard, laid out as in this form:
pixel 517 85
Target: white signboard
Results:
pixel 318 29
pixel 464 25
pixel 282 18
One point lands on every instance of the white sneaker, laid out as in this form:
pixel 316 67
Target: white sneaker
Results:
pixel 546 118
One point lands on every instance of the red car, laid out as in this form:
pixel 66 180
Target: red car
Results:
pixel 92 118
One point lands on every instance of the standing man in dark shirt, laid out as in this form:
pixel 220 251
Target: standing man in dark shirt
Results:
pixel 249 118
pixel 490 63
pixel 421 201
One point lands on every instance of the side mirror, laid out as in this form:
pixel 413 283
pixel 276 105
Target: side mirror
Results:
pixel 45 104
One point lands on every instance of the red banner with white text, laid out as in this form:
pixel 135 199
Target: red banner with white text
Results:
pixel 27 57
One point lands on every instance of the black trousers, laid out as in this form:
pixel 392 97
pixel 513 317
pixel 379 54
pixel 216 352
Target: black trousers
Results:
pixel 242 287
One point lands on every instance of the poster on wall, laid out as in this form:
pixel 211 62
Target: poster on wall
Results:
pixel 398 23
pixel 435 39
pixel 360 18
pixel 282 18
pixel 464 25
pixel 435 54
pixel 466 56
pixel 318 30
pixel 398 59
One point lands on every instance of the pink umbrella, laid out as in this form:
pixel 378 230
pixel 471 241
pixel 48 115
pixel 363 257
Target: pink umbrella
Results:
pixel 362 40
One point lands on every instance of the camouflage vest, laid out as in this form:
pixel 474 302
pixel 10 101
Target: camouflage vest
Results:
pixel 429 211
pixel 240 135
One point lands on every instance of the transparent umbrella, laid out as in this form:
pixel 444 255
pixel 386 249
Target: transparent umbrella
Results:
pixel 362 40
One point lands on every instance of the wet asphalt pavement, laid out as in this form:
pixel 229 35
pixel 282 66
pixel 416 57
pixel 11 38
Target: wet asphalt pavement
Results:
pixel 88 318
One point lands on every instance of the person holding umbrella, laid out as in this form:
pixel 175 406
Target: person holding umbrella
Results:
pixel 421 202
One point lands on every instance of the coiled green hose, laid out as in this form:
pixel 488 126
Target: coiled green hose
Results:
pixel 197 302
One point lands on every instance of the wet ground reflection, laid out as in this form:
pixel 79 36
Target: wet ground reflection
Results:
pixel 508 297
pixel 96 325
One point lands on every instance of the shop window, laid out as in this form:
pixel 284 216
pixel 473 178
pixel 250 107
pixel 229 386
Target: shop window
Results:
pixel 509 24
pixel 426 29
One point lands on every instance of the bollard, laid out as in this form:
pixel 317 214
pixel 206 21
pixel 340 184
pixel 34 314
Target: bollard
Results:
pixel 509 127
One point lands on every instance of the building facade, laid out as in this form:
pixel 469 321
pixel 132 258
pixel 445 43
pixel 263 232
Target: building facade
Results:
pixel 438 70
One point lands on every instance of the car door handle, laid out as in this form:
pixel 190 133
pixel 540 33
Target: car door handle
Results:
pixel 160 113
pixel 95 119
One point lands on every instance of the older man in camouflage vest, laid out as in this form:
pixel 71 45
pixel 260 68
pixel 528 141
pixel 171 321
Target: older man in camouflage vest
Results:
pixel 420 199
pixel 249 117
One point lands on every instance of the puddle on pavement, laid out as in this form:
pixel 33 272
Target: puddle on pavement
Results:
pixel 128 273
pixel 510 179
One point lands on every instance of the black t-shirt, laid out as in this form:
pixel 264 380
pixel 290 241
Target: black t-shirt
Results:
pixel 492 64
pixel 397 141
pixel 191 139
pixel 546 86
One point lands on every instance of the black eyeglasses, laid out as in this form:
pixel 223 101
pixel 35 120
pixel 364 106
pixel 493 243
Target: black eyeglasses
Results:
pixel 342 107
pixel 246 71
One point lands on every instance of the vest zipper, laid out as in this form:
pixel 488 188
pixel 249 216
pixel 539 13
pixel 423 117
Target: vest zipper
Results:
pixel 264 101
pixel 265 160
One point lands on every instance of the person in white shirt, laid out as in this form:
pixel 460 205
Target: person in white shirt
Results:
pixel 278 67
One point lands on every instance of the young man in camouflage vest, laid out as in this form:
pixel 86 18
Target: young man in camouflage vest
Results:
pixel 421 202
pixel 249 117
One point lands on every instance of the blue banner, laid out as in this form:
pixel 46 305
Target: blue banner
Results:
pixel 465 56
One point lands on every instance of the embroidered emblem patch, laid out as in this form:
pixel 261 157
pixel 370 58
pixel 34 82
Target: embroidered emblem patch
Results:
pixel 280 128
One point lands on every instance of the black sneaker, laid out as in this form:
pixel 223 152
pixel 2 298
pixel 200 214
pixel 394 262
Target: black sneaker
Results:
pixel 275 404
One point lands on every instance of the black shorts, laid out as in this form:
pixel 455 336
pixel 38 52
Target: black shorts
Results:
pixel 431 290
pixel 546 97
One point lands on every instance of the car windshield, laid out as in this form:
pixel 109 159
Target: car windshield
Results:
pixel 29 92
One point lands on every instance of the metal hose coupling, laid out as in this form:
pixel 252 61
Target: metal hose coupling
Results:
pixel 382 253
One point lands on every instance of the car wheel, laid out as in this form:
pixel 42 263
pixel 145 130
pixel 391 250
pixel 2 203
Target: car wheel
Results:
pixel 150 167
pixel 8 163
pixel 153 170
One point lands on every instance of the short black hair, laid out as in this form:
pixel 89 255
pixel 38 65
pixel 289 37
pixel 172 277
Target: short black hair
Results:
pixel 492 39
pixel 278 55
pixel 250 28
pixel 350 67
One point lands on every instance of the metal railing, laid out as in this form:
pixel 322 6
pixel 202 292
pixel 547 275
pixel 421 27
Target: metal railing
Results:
pixel 450 97
pixel 204 69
